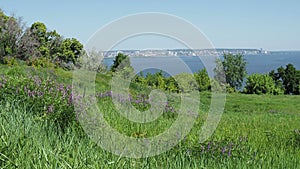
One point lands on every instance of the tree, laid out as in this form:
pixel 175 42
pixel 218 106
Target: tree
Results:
pixel 51 44
pixel 39 29
pixel 70 50
pixel 54 42
pixel 261 84
pixel 203 80
pixel 288 78
pixel 156 80
pixel 276 77
pixel 28 46
pixel 10 33
pixel 186 82
pixel 291 80
pixel 121 61
pixel 172 85
pixel 234 67
pixel 92 61
pixel 36 42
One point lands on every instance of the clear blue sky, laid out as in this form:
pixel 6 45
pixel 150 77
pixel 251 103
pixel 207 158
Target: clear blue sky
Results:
pixel 270 24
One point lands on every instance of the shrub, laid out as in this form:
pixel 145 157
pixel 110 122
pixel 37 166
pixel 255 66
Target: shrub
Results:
pixel 10 61
pixel 186 82
pixel 261 84
pixel 40 62
pixel 203 80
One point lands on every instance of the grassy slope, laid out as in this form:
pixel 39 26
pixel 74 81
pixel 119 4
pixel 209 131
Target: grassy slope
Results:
pixel 266 123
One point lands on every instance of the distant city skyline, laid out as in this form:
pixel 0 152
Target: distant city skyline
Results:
pixel 272 25
pixel 182 52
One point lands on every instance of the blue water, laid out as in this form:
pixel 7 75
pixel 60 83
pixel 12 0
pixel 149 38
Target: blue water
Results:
pixel 263 63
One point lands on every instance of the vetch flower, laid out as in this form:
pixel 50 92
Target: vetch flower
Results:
pixel 223 150
pixel 50 109
pixel 208 146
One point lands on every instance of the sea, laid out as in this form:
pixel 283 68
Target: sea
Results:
pixel 171 65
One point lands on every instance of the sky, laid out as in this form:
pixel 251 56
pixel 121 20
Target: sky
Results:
pixel 268 24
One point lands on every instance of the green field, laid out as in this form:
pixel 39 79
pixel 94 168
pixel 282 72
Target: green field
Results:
pixel 256 131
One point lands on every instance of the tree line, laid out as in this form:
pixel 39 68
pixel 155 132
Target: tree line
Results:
pixel 36 45
pixel 233 67
pixel 281 81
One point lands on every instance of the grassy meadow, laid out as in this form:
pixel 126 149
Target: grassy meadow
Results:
pixel 38 129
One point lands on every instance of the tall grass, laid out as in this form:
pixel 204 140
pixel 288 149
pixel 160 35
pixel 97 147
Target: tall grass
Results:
pixel 254 132
pixel 242 140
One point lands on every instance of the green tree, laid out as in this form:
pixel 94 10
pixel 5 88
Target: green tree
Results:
pixel 70 51
pixel 288 78
pixel 122 67
pixel 54 42
pixel 121 61
pixel 39 29
pixel 172 85
pixel 36 42
pixel 276 77
pixel 261 84
pixel 234 67
pixel 186 82
pixel 203 80
pixel 156 80
pixel 140 79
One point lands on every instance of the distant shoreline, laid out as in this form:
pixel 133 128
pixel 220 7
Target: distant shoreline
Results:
pixel 189 52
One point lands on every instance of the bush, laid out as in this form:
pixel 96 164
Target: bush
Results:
pixel 261 84
pixel 10 61
pixel 203 80
pixel 230 89
pixel 41 62
pixel 186 82
pixel 68 66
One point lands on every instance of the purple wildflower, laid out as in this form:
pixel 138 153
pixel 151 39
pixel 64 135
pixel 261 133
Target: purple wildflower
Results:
pixel 109 93
pixel 130 98
pixel 50 109
pixel 40 94
pixel 229 153
pixel 209 146
pixel 61 87
pixel 69 87
pixel 223 150
pixel 71 98
pixel 37 81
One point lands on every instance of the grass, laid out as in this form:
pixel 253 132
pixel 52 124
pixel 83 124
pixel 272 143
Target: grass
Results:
pixel 256 131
